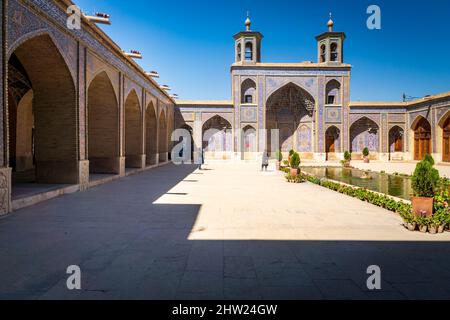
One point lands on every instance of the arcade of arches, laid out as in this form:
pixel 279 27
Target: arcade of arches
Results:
pixel 45 132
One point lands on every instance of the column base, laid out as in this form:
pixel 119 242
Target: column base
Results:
pixel 5 190
pixel 151 159
pixel 83 174
pixel 135 161
pixel 162 157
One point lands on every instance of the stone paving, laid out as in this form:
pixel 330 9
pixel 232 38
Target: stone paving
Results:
pixel 227 232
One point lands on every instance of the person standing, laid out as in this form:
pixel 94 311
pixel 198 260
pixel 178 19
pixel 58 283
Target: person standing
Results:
pixel 265 161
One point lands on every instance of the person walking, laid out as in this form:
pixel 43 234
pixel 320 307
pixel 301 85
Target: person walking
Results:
pixel 265 161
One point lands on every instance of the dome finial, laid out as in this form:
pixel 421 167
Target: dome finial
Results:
pixel 248 23
pixel 330 24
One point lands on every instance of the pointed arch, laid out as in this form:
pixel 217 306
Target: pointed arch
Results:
pixel 422 142
pixel 217 138
pixel 332 141
pixel 396 139
pixel 162 138
pixel 443 136
pixel 364 133
pixel 54 138
pixel 248 91
pixel 103 125
pixel 151 134
pixel 333 92
pixel 133 129
pixel 249 141
pixel 286 109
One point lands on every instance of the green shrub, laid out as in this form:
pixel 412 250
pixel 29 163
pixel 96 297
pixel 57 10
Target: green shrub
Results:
pixel 291 152
pixel 429 159
pixel 286 163
pixel 295 160
pixel 294 179
pixel 425 180
pixel 347 156
pixel 366 152
pixel 279 155
pixel 384 201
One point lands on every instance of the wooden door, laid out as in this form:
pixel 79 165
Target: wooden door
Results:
pixel 422 139
pixel 330 143
pixel 446 141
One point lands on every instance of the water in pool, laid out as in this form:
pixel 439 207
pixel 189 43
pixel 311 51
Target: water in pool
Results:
pixel 396 186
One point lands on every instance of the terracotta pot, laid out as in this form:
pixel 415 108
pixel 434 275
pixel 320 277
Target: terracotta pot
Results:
pixel 441 229
pixel 294 172
pixel 432 229
pixel 422 204
pixel 278 164
pixel 366 160
pixel 423 229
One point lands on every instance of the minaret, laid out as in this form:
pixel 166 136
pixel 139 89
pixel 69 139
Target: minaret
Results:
pixel 248 45
pixel 330 45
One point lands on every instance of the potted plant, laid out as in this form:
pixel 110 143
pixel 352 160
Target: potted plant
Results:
pixel 366 155
pixel 279 157
pixel 347 159
pixel 423 222
pixel 295 163
pixel 433 225
pixel 291 152
pixel 424 183
pixel 410 222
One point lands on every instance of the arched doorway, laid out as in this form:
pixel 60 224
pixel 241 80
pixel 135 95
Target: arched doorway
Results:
pixel 103 126
pixel 446 141
pixel 151 135
pixel 422 139
pixel 396 138
pixel 185 153
pixel 288 110
pixel 162 141
pixel 249 143
pixel 133 138
pixel 332 142
pixel 42 116
pixel 364 133
pixel 217 135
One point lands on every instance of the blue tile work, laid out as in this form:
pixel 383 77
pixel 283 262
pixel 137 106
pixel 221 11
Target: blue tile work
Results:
pixel 304 138
pixel 333 115
pixel 320 116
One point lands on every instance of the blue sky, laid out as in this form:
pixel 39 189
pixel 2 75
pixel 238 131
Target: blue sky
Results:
pixel 190 42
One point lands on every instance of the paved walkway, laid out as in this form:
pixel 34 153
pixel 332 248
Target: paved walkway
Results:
pixel 228 232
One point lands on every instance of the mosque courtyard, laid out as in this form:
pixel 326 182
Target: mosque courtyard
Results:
pixel 228 231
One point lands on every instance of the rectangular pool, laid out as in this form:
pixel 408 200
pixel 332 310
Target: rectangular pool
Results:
pixel 396 186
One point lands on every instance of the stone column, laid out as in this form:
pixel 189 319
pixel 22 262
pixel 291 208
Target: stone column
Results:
pixel 5 172
pixel 83 162
pixel 197 136
pixel 320 154
pixel 384 137
pixel 121 126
